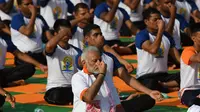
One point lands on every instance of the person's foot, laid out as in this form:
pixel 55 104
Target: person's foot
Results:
pixel 16 83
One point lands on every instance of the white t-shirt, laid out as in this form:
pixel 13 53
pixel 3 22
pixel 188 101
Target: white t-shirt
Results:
pixel 105 98
pixel 149 63
pixel 197 3
pixel 185 8
pixel 88 2
pixel 4 16
pixel 77 39
pixel 179 24
pixel 190 71
pixel 61 66
pixel 110 30
pixel 135 15
pixel 81 81
pixel 32 43
pixel 3 50
pixel 55 9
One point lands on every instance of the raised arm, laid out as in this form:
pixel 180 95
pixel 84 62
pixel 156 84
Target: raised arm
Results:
pixel 92 91
pixel 7 6
pixel 52 43
pixel 29 28
pixel 152 47
pixel 170 26
pixel 108 16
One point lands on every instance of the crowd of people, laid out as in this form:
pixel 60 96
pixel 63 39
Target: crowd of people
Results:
pixel 77 43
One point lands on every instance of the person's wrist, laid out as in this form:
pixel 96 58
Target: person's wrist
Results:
pixel 102 74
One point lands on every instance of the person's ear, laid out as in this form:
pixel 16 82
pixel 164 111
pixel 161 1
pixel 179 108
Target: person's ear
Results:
pixel 74 14
pixel 83 62
pixel 146 21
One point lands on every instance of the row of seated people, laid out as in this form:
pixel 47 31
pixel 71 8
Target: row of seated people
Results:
pixel 160 37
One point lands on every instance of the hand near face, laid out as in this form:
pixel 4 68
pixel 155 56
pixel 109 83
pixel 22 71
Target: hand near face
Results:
pixel 65 32
pixel 161 25
pixel 102 67
pixel 32 9
pixel 172 9
pixel 115 2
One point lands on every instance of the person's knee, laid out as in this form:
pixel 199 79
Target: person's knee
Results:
pixel 138 104
pixel 2 101
pixel 29 70
pixel 148 101
pixel 56 98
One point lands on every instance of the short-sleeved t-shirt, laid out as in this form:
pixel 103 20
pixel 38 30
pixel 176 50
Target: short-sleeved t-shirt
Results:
pixel 110 30
pixel 61 66
pixel 185 8
pixel 56 9
pixel 179 25
pixel 149 63
pixel 33 43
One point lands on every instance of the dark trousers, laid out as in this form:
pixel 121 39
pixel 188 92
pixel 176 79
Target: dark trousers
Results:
pixel 190 97
pixel 59 96
pixel 37 56
pixel 151 80
pixel 2 101
pixel 23 71
pixel 139 103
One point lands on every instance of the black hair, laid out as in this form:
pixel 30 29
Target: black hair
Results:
pixel 89 28
pixel 61 22
pixel 194 28
pixel 80 5
pixel 147 13
pixel 19 2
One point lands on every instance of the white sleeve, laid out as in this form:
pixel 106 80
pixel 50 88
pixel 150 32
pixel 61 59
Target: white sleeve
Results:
pixel 79 84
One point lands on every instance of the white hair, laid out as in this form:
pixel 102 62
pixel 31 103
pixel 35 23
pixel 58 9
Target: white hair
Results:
pixel 88 49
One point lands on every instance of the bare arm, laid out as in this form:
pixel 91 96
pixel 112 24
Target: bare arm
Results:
pixel 52 43
pixel 26 58
pixel 92 91
pixel 175 54
pixel 108 16
pixel 153 47
pixel 29 28
pixel 128 66
pixel 133 29
pixel 195 58
pixel 75 21
pixel 170 26
pixel 132 82
pixel 7 7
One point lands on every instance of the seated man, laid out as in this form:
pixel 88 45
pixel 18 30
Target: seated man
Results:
pixel 27 30
pixel 19 72
pixel 61 63
pixel 190 61
pixel 153 46
pixel 93 87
